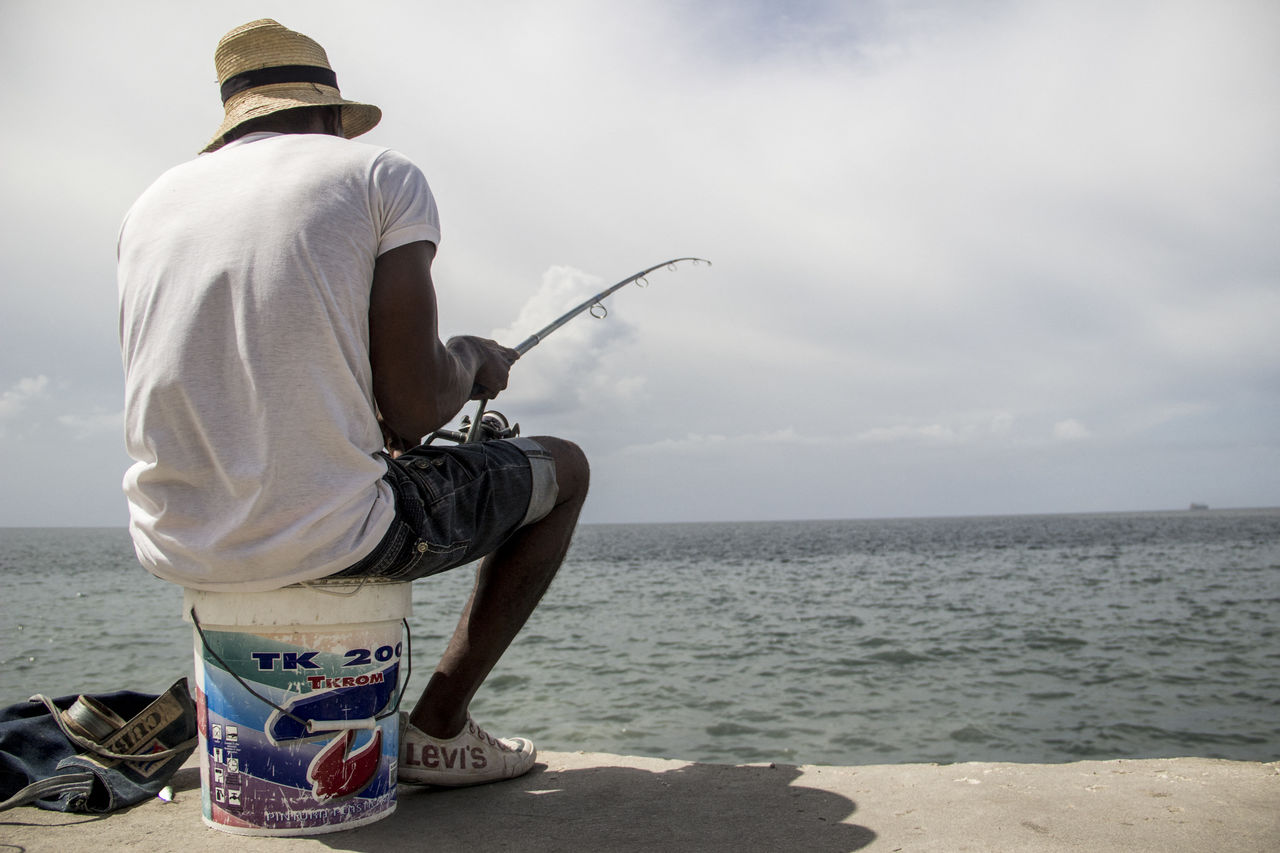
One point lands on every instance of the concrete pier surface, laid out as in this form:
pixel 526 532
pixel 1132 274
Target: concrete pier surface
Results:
pixel 598 802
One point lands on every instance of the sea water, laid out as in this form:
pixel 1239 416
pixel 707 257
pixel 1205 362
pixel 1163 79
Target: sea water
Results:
pixel 1021 638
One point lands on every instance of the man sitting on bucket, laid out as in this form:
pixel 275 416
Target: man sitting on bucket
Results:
pixel 278 327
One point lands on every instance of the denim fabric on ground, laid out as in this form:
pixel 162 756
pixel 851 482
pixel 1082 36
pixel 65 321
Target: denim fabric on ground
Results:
pixel 455 504
pixel 41 764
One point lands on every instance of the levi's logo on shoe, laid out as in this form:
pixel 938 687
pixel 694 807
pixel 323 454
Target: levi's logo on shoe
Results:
pixel 435 757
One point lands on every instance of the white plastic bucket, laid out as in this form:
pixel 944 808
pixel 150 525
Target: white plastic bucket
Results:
pixel 315 750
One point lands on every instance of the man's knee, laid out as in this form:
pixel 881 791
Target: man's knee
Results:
pixel 573 472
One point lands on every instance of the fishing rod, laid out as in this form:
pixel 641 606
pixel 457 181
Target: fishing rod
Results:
pixel 594 302
pixel 494 423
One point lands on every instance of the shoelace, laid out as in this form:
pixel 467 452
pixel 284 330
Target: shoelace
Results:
pixel 488 737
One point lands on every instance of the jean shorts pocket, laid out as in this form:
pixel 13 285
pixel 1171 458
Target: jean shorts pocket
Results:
pixel 427 550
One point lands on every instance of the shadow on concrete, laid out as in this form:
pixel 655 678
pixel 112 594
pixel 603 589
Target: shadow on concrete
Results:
pixel 186 779
pixel 692 807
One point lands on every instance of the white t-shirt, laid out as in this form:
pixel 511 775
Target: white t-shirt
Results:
pixel 244 282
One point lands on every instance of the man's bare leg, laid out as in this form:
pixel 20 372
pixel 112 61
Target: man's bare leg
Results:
pixel 509 584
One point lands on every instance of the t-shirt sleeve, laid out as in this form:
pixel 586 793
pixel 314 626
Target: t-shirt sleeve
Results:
pixel 402 203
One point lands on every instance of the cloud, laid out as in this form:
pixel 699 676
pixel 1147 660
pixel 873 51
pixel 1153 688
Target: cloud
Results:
pixel 83 426
pixel 822 433
pixel 930 434
pixel 717 443
pixel 1070 430
pixel 576 362
pixel 29 405
pixel 15 400
pixel 948 236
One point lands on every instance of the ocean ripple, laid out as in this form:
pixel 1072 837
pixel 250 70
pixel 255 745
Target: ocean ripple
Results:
pixel 1036 638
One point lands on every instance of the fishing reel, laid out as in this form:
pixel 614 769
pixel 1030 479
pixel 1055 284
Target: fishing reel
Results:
pixel 491 426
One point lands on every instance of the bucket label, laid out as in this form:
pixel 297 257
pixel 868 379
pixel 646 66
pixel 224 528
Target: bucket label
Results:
pixel 284 766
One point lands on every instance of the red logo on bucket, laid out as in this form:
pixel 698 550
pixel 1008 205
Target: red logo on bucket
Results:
pixel 336 773
pixel 344 697
pixel 320 682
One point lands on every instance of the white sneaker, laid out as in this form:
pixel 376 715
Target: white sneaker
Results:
pixel 471 757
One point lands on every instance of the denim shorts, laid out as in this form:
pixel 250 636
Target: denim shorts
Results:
pixel 455 504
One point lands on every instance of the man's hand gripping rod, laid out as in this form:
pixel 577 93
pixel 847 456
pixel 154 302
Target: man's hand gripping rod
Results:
pixel 476 430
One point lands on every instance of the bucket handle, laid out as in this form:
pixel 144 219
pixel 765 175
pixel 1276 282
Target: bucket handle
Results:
pixel 341 725
pixel 319 725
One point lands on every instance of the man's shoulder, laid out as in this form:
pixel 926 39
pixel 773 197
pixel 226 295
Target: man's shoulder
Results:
pixel 269 150
pixel 339 149
pixel 318 158
pixel 268 162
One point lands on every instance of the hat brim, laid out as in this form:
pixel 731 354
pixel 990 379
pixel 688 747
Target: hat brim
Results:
pixel 357 118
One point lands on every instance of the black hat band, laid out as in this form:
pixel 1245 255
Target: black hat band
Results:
pixel 278 74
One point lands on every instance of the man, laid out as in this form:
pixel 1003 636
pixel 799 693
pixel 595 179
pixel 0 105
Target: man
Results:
pixel 278 327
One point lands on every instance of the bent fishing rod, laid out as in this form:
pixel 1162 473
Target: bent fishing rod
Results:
pixel 494 425
pixel 594 302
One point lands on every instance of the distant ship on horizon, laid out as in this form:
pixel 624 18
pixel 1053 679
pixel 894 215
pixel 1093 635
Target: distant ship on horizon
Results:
pixel 1196 507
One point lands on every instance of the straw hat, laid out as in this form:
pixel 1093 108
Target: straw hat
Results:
pixel 264 67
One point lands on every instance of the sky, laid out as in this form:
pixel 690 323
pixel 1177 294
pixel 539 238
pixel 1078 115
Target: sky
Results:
pixel 969 258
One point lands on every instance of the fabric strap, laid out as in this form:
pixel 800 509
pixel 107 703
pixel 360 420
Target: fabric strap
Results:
pixel 67 783
pixel 278 74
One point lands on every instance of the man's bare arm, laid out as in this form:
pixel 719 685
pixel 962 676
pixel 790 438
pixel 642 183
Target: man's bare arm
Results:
pixel 419 382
